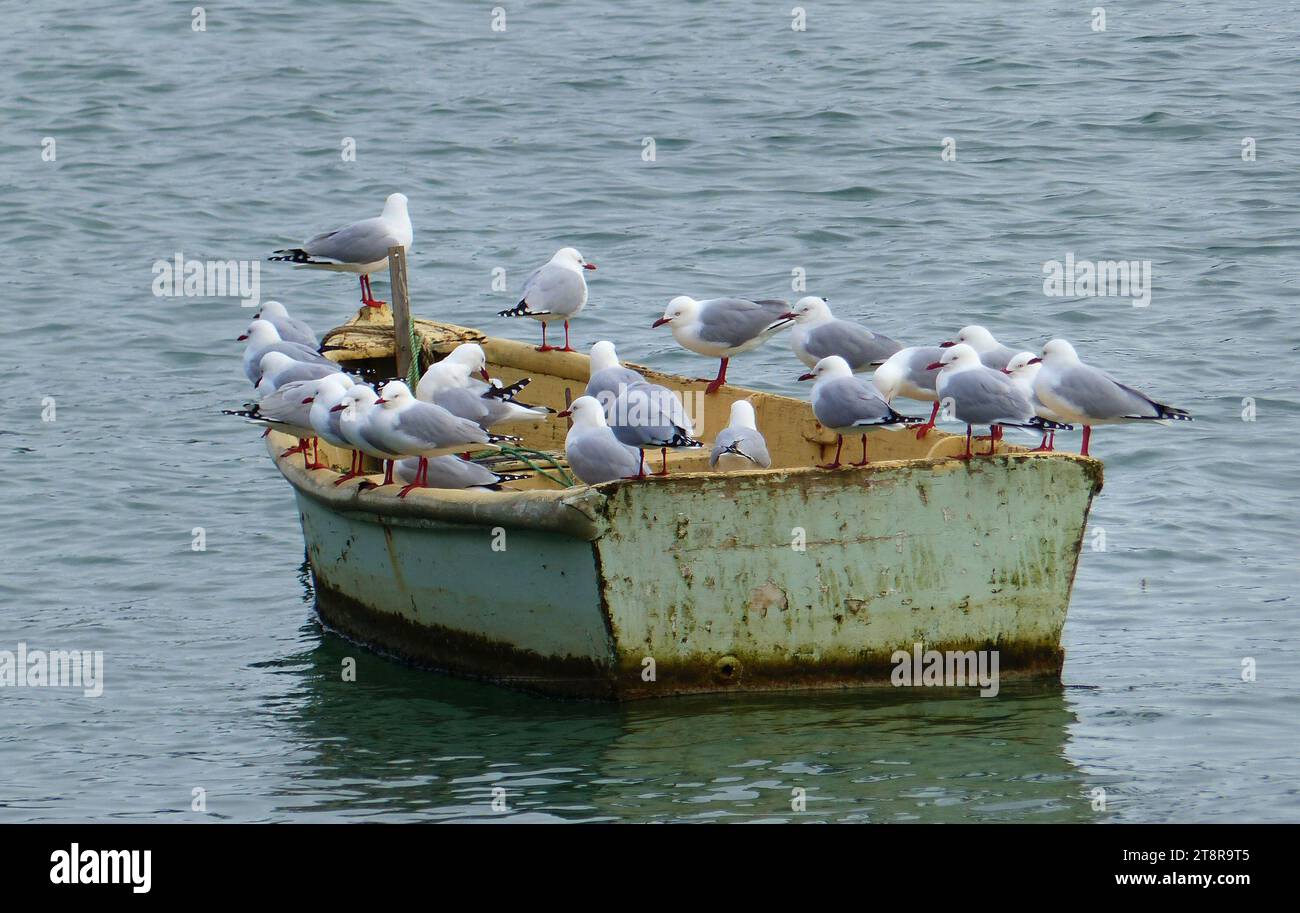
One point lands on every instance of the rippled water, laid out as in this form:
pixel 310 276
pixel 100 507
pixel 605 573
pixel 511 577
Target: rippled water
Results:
pixel 775 149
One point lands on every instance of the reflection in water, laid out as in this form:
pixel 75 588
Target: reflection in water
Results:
pixel 409 744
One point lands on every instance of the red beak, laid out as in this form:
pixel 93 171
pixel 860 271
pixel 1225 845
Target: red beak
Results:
pixel 486 376
pixel 1035 361
pixel 660 322
pixel 1006 370
pixel 378 401
pixel 588 266
pixel 933 366
pixel 310 399
pixel 565 414
pixel 339 408
pixel 947 345
pixel 241 338
pixel 805 377
pixel 788 315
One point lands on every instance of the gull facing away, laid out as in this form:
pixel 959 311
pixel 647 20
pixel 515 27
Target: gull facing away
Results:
pixel 818 333
pixel 993 353
pixel 608 375
pixel 557 290
pixel 907 373
pixel 450 471
pixel 289 328
pixel 1089 396
pixel 593 453
pixel 361 247
pixel 645 415
pixel 740 446
pixel 1023 368
pixel 723 327
pixel 981 395
pixel 408 427
pixel 262 337
pixel 846 405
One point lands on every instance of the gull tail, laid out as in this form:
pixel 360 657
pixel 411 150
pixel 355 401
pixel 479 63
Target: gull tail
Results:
pixel 896 419
pixel 521 310
pixel 503 438
pixel 734 448
pixel 681 440
pixel 1043 424
pixel 295 255
pixel 1164 414
pixel 509 391
pixel 502 478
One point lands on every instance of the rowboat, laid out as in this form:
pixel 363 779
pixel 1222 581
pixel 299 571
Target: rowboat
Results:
pixel 792 577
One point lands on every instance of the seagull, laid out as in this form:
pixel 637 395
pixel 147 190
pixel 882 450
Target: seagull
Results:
pixel 288 409
pixel 445 373
pixel 1023 368
pixel 818 333
pixel 1086 395
pixel 409 427
pixel 907 373
pixel 608 376
pixel 263 337
pixel 593 452
pixel 740 446
pixel 981 395
pixel 723 327
pixel 361 247
pixel 290 330
pixel 645 415
pixel 451 471
pixel 355 412
pixel 278 369
pixel 993 353
pixel 555 291
pixel 846 405
pixel 491 406
pixel 325 419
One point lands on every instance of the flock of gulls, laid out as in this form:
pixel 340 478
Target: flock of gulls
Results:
pixel 425 437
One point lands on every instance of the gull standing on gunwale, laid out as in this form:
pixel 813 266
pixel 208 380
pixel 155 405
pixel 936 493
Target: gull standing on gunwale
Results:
pixel 991 352
pixel 846 405
pixel 361 247
pixel 818 333
pixel 907 373
pixel 740 445
pixel 1089 396
pixel 288 409
pixel 1023 369
pixel 723 327
pixel 593 452
pixel 557 290
pixel 645 415
pixel 263 337
pixel 981 395
pixel 408 427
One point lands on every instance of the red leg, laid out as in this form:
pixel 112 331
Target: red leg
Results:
pixel 544 347
pixel 720 379
pixel 967 454
pixel 864 452
pixel 421 470
pixel 834 464
pixel 663 453
pixel 301 448
pixel 1051 440
pixel 315 456
pixel 994 434
pixel 1043 446
pixel 925 429
pixel 567 347
pixel 353 471
pixel 1087 433
pixel 388 472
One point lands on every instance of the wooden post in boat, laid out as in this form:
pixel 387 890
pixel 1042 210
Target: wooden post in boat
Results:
pixel 401 311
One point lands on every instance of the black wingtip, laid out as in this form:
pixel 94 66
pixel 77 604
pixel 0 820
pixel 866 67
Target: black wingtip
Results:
pixel 1045 425
pixel 519 310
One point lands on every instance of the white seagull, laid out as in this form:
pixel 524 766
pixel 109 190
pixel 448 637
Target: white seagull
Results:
pixel 557 290
pixel 907 373
pixel 592 451
pixel 289 328
pixel 723 327
pixel 361 247
pixel 1023 368
pixel 740 445
pixel 991 352
pixel 818 333
pixel 846 405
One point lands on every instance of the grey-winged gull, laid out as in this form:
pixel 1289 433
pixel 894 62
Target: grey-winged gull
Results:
pixel 818 333
pixel 557 290
pixel 846 405
pixel 723 327
pixel 593 452
pixel 740 445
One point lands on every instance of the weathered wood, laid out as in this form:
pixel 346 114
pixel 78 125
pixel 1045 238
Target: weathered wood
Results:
pixel 401 310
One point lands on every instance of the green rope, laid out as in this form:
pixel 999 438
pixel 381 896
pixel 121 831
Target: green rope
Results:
pixel 527 455
pixel 413 372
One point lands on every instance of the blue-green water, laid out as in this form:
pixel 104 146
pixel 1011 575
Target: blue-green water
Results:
pixel 775 150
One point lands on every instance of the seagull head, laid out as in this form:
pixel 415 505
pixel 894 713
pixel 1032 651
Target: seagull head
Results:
pixel 975 336
pixel 272 310
pixel 808 309
pixel 682 308
pixel 358 395
pixel 586 411
pixel 395 206
pixel 569 256
pixel 742 415
pixel 260 333
pixel 394 395
pixel 1021 363
pixel 830 367
pixel 1058 352
pixel 471 355
pixel 958 357
pixel 603 355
